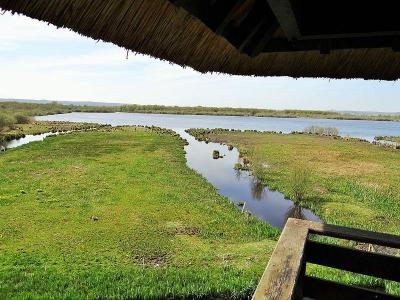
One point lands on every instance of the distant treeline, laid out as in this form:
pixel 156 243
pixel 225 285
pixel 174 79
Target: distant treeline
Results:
pixel 12 113
pixel 254 112
pixel 36 109
pixel 39 109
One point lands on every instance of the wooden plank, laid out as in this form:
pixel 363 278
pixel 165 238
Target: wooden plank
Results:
pixel 210 13
pixel 353 260
pixel 249 29
pixel 382 239
pixel 316 288
pixel 240 8
pixel 286 17
pixel 251 35
pixel 282 45
pixel 268 34
pixel 350 35
pixel 281 275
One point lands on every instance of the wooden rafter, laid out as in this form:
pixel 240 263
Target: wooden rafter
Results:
pixel 286 17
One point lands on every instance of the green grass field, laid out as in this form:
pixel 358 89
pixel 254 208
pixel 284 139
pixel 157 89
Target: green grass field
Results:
pixel 116 213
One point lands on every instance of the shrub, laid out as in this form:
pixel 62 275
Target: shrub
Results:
pixel 22 119
pixel 299 182
pixel 238 166
pixel 6 121
pixel 319 130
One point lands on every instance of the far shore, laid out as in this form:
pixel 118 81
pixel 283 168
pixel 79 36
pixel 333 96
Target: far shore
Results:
pixel 37 109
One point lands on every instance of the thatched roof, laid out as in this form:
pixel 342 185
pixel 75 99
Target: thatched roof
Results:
pixel 258 45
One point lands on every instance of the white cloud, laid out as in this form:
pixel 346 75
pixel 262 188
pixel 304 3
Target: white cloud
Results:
pixel 17 28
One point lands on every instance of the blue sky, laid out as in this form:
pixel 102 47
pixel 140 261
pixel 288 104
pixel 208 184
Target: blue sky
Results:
pixel 38 61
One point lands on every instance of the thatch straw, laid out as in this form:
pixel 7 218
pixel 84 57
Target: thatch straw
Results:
pixel 160 29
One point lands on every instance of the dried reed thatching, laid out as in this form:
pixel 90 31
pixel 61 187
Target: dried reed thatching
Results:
pixel 160 29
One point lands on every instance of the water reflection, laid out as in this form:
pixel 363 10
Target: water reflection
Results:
pixel 257 189
pixel 3 146
pixel 296 211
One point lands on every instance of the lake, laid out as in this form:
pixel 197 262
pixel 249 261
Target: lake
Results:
pixel 354 128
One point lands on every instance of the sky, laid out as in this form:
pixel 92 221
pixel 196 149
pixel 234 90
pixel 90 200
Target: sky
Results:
pixel 39 61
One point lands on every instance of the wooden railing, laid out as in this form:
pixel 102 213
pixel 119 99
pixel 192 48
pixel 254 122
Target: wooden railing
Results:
pixel 285 276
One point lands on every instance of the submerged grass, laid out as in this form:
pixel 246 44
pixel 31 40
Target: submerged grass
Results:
pixel 116 213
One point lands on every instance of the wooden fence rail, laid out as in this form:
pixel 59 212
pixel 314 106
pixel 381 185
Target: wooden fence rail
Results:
pixel 285 276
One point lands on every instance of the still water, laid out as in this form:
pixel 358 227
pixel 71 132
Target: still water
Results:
pixel 238 186
pixel 25 140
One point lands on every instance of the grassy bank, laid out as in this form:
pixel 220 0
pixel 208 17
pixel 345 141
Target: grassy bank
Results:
pixel 17 131
pixel 351 183
pixel 116 213
pixel 33 109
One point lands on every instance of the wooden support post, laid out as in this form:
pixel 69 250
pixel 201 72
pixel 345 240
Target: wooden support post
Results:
pixel 280 278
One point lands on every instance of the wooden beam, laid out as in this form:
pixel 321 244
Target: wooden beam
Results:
pixel 350 35
pixel 251 35
pixel 248 27
pixel 263 42
pixel 316 288
pixel 241 8
pixel 284 267
pixel 359 235
pixel 343 17
pixel 282 45
pixel 286 17
pixel 353 260
pixel 210 12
